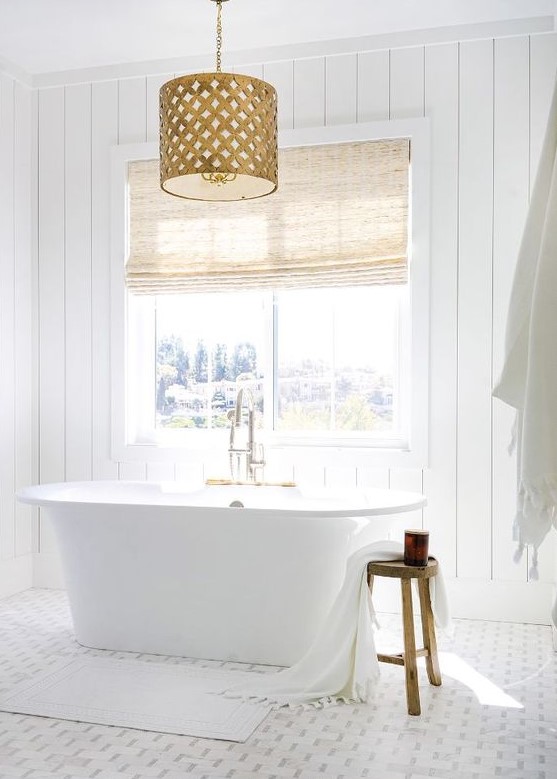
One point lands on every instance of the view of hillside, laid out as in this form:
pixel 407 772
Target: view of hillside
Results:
pixel 198 389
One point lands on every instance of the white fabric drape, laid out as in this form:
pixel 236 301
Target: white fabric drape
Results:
pixel 341 664
pixel 529 377
pixel 339 217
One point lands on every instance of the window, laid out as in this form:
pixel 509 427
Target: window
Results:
pixel 207 346
pixel 338 363
pixel 330 367
pixel 321 363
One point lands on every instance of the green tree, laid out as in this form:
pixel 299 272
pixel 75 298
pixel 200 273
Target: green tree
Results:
pixel 170 351
pixel 344 387
pixel 179 422
pixel 166 375
pixel 201 363
pixel 161 395
pixel 355 414
pixel 218 400
pixel 220 367
pixel 299 417
pixel 244 360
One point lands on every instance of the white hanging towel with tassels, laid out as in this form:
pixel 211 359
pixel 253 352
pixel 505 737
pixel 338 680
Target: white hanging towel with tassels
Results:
pixel 529 377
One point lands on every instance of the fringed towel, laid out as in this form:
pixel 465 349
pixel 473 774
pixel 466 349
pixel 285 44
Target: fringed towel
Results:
pixel 341 664
pixel 529 377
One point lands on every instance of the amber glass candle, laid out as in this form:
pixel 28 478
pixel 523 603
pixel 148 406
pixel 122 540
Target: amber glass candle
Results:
pixel 416 547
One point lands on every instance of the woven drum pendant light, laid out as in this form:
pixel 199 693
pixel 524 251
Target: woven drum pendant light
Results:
pixel 218 134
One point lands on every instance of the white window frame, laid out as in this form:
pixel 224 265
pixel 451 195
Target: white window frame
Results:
pixel 414 322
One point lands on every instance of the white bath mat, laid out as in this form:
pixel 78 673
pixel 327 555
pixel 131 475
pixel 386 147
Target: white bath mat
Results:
pixel 136 694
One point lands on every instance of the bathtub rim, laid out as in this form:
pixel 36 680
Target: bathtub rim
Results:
pixel 394 501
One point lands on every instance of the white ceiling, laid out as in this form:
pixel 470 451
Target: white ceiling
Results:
pixel 42 36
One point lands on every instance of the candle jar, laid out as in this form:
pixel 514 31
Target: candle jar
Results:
pixel 416 547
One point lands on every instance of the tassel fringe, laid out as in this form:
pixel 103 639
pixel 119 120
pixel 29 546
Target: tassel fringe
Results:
pixel 518 554
pixel 533 574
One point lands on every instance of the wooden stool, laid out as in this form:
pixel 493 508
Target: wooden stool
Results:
pixel 397 570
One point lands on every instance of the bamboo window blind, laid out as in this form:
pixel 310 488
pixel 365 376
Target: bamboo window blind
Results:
pixel 339 218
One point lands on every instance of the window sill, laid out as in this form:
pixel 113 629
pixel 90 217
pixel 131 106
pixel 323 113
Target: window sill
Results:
pixel 332 454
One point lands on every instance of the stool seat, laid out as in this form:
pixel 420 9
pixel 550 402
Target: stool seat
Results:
pixel 396 569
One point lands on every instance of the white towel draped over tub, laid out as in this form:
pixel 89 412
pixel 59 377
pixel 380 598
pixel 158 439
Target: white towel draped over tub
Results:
pixel 529 377
pixel 341 664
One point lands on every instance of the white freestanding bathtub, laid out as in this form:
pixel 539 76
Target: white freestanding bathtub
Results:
pixel 169 570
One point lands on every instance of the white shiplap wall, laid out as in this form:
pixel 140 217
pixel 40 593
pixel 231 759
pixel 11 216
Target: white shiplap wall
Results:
pixel 18 417
pixel 487 101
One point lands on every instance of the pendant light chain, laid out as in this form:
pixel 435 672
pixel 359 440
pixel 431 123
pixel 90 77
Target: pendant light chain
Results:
pixel 219 34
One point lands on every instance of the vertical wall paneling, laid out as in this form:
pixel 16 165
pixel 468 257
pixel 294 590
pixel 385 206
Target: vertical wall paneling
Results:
pixel 77 170
pixel 487 104
pixel 253 69
pixel 411 480
pixel 372 477
pixel 52 304
pixel 34 261
pixel 341 89
pixel 340 477
pixel 24 346
pixel 309 93
pixel 441 107
pixel 281 76
pixel 407 83
pixel 543 64
pixel 18 454
pixel 104 134
pixel 188 473
pixel 373 105
pixel 407 100
pixel 153 85
pixel 132 128
pixel 279 466
pixel 132 110
pixel 510 198
pixel 7 318
pixel 310 475
pixel 135 471
pixel 373 86
pixel 475 309
pixel 158 472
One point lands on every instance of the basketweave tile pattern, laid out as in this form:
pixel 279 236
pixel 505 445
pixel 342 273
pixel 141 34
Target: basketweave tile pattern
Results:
pixel 456 737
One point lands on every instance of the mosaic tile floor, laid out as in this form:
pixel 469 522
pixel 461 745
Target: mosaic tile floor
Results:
pixel 495 715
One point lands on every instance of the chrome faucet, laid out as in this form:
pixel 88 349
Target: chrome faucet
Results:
pixel 251 453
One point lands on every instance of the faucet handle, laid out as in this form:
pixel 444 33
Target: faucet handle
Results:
pixel 258 455
pixel 257 463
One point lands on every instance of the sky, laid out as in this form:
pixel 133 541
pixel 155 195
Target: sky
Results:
pixel 364 321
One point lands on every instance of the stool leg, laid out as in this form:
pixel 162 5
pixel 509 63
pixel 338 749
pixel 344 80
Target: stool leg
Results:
pixel 428 632
pixel 410 666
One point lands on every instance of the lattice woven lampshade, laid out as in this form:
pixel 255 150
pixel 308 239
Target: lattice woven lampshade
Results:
pixel 218 135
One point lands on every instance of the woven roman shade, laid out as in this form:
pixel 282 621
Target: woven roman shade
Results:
pixel 339 218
